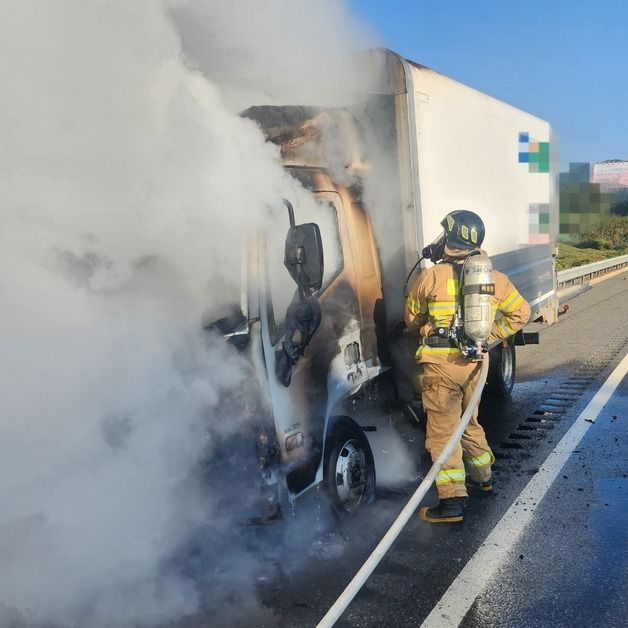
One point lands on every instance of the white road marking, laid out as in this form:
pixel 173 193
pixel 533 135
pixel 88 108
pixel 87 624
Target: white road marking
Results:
pixel 494 552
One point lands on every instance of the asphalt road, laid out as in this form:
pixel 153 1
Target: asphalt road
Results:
pixel 570 567
pixel 305 562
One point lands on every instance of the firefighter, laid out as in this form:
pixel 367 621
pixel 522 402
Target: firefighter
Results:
pixel 450 378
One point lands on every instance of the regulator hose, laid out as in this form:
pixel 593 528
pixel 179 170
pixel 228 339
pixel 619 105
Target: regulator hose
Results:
pixel 405 285
pixel 352 589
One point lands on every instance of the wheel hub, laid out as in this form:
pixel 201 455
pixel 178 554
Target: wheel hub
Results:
pixel 351 472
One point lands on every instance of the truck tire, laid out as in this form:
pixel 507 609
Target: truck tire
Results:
pixel 502 369
pixel 350 469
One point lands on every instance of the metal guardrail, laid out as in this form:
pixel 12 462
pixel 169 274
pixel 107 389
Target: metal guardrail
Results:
pixel 579 274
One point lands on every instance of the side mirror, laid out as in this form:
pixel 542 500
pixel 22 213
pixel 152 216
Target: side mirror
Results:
pixel 304 260
pixel 304 257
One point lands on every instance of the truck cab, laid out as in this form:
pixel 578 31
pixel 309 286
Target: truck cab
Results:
pixel 316 438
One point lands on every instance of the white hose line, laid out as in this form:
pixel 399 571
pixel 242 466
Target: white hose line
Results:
pixel 352 589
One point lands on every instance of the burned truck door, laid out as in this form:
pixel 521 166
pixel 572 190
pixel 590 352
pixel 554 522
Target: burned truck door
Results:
pixel 301 408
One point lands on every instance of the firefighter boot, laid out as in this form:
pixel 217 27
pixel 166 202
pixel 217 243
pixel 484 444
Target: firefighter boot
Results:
pixel 485 487
pixel 449 510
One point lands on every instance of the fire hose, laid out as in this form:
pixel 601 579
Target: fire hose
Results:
pixel 358 581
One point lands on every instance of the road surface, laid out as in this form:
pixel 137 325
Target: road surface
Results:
pixel 568 566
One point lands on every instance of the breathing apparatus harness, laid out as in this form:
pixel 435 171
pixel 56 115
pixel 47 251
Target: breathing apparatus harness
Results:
pixel 473 319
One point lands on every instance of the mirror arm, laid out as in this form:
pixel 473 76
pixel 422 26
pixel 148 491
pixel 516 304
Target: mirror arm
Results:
pixel 288 204
pixel 302 296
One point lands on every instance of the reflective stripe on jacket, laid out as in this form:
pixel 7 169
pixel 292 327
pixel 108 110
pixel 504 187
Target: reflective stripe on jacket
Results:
pixel 432 303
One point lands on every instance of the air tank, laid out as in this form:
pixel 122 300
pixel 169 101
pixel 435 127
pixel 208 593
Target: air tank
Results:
pixel 477 290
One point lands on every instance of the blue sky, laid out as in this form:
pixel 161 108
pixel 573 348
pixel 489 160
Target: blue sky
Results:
pixel 566 62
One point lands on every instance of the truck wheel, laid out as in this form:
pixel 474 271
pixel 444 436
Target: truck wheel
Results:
pixel 502 368
pixel 350 469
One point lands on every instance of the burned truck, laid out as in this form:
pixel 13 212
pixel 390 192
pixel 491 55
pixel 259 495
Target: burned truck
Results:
pixel 328 351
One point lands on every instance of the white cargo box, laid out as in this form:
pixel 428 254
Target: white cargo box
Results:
pixel 461 149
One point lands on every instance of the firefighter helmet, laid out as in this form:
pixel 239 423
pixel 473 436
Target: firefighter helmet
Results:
pixel 463 230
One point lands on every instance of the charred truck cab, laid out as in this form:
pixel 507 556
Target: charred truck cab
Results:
pixel 418 146
pixel 324 347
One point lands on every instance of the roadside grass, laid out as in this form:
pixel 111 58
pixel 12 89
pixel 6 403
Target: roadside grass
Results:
pixel 607 238
pixel 570 256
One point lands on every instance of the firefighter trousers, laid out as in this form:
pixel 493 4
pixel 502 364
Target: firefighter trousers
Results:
pixel 446 392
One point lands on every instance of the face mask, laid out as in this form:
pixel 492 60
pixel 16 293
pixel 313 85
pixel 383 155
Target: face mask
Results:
pixel 435 251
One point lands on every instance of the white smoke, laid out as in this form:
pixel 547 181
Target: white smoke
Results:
pixel 126 183
pixel 275 52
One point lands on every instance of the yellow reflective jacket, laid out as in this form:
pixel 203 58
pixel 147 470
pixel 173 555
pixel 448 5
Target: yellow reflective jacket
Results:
pixel 432 303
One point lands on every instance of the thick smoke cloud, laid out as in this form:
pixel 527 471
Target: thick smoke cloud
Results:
pixel 126 183
pixel 275 52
